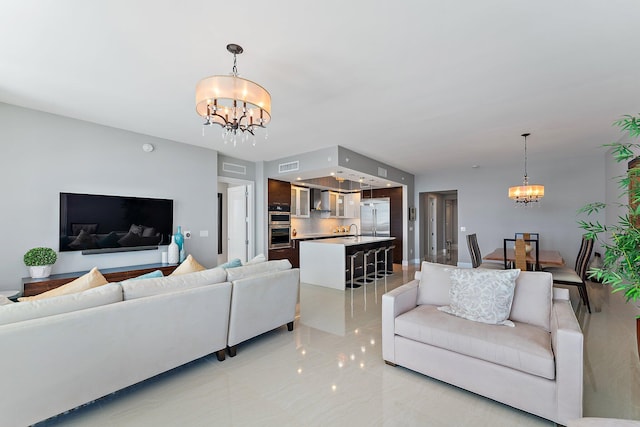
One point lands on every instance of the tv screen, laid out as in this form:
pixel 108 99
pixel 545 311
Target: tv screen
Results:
pixel 95 223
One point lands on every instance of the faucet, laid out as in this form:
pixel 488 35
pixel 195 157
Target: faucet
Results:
pixel 354 225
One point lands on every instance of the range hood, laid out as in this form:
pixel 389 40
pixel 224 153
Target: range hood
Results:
pixel 316 201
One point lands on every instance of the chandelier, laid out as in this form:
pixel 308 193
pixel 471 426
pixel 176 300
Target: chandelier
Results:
pixel 526 193
pixel 238 105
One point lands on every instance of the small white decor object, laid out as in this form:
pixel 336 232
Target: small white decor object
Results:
pixel 173 251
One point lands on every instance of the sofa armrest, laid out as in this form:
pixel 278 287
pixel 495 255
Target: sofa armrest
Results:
pixel 394 303
pixel 567 343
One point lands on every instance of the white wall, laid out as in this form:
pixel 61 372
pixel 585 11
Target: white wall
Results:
pixel 485 209
pixel 44 154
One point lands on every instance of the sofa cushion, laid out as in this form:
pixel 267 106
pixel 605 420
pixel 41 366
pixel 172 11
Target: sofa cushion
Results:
pixel 95 297
pixel 161 285
pixel 525 348
pixel 434 284
pixel 533 299
pixel 481 295
pixel 89 280
pixel 255 269
pixel 189 265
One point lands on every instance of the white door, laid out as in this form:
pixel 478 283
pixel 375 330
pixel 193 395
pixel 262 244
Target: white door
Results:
pixel 237 233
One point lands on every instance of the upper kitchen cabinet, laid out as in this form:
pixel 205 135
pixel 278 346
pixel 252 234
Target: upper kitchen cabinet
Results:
pixel 279 193
pixel 341 205
pixel 300 202
pixel 352 205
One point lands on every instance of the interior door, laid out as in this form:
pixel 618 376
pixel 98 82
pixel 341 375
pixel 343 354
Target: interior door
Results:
pixel 237 229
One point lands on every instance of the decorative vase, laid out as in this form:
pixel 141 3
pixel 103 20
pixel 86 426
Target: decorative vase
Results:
pixel 40 271
pixel 183 255
pixel 179 238
pixel 173 252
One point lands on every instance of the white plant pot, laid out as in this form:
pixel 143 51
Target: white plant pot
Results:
pixel 40 271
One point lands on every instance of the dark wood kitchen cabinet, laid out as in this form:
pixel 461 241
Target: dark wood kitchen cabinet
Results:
pixel 292 254
pixel 279 192
pixel 395 201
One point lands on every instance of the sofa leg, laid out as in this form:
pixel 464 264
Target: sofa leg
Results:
pixel 290 326
pixel 220 355
pixel 390 363
pixel 232 350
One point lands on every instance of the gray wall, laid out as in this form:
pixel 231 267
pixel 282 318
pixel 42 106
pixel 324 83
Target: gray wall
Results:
pixel 485 209
pixel 45 154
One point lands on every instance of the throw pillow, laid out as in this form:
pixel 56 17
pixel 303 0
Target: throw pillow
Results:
pixel 256 260
pixel 189 265
pixel 151 275
pixel 482 295
pixel 90 280
pixel 231 264
pixel 434 284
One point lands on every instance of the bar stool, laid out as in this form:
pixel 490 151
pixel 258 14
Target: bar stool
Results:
pixel 365 279
pixel 375 274
pixel 351 270
pixel 386 253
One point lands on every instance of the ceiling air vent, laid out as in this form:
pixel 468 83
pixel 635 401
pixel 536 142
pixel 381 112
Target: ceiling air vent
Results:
pixel 382 172
pixel 288 167
pixel 233 168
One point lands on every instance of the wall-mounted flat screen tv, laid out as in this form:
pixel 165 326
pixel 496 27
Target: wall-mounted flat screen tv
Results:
pixel 94 223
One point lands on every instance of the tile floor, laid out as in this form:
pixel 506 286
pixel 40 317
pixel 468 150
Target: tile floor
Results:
pixel 329 372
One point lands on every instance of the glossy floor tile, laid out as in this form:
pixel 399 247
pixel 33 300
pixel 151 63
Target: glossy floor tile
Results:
pixel 329 372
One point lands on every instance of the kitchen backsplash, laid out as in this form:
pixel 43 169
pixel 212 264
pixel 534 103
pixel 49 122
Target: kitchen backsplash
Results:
pixel 315 224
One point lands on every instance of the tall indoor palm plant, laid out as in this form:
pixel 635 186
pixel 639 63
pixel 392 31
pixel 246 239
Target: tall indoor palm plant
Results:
pixel 620 241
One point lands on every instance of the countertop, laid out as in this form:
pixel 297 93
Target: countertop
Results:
pixel 310 236
pixel 350 240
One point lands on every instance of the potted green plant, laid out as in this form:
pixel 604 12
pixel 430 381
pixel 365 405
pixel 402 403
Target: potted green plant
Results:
pixel 39 261
pixel 621 240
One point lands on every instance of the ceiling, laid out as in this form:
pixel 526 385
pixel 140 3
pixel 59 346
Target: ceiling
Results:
pixel 419 85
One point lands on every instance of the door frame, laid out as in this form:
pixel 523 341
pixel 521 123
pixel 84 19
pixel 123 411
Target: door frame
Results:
pixel 251 214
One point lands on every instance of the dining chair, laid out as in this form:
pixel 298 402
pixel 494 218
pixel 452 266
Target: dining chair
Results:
pixel 528 236
pixel 476 256
pixel 535 265
pixel 577 275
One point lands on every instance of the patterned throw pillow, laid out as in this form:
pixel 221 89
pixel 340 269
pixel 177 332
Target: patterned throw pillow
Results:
pixel 482 295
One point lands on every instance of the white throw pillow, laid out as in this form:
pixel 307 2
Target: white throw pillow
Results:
pixel 435 283
pixel 256 260
pixel 482 295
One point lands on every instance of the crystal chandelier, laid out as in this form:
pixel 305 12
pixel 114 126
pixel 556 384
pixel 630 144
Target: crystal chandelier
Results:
pixel 526 193
pixel 238 105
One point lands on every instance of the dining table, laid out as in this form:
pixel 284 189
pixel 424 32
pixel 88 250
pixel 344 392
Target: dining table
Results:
pixel 545 257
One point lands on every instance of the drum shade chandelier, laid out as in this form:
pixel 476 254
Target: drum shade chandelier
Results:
pixel 238 105
pixel 526 193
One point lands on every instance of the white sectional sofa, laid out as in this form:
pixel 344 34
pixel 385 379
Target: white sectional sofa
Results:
pixel 62 352
pixel 536 366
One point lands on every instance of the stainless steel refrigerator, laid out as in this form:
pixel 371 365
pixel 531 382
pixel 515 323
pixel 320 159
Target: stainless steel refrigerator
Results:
pixel 375 217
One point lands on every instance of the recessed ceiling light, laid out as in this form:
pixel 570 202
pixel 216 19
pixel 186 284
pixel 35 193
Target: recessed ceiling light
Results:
pixel 475 166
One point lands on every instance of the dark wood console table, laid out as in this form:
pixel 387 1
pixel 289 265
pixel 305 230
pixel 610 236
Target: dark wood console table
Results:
pixel 37 286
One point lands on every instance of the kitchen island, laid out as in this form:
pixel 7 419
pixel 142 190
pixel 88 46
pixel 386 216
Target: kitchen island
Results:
pixel 324 262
